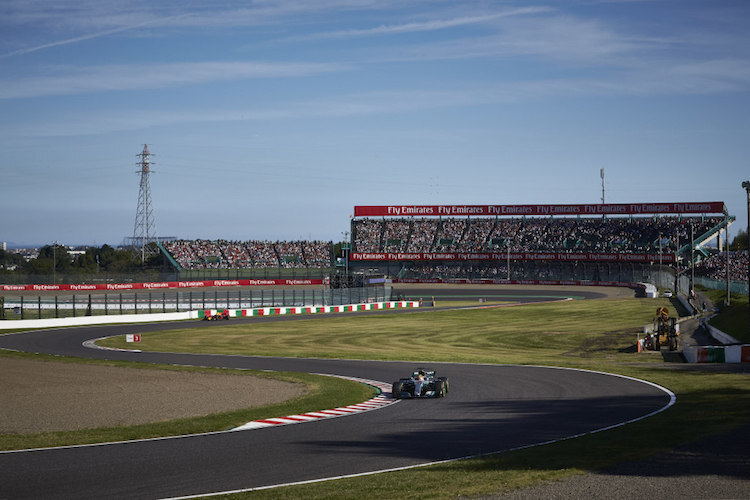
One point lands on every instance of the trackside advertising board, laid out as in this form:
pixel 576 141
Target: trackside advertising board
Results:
pixel 117 287
pixel 515 256
pixel 709 207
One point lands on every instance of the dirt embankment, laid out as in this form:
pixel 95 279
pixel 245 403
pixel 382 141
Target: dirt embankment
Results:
pixel 39 396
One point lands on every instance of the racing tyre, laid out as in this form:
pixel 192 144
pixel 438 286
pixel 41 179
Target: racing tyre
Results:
pixel 397 389
pixel 446 386
pixel 440 389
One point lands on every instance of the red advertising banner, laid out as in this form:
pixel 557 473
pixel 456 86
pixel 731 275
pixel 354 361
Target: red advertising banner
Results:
pixel 709 207
pixel 162 285
pixel 501 256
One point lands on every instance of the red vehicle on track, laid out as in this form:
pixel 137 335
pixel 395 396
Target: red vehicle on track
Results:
pixel 215 317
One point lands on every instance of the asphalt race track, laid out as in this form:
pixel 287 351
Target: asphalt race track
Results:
pixel 490 408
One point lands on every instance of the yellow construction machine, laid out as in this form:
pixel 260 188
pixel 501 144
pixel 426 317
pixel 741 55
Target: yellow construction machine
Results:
pixel 666 332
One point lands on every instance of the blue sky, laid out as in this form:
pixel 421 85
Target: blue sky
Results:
pixel 273 119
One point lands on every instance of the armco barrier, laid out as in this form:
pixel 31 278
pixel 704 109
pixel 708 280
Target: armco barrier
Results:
pixel 94 320
pixel 235 313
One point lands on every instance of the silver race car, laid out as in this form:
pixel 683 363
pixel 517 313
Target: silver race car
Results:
pixel 422 384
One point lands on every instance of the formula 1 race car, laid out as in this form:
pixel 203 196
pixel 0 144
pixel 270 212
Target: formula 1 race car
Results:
pixel 422 384
pixel 215 317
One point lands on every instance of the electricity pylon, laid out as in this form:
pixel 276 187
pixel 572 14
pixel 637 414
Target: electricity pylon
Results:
pixel 144 231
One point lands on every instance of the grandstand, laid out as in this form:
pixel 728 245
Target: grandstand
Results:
pixel 618 242
pixel 650 235
pixel 612 242
pixel 253 254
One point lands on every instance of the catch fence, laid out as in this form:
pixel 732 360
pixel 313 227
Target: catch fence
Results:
pixel 58 305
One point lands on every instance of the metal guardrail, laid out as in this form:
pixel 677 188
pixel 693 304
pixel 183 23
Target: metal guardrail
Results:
pixel 91 304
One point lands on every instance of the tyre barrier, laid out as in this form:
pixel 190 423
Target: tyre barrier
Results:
pixel 717 354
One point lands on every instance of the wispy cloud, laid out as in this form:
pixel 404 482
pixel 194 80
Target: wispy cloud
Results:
pixel 698 79
pixel 86 20
pixel 68 81
pixel 559 38
pixel 90 36
pixel 417 27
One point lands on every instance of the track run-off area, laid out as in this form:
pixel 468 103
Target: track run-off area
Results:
pixel 490 409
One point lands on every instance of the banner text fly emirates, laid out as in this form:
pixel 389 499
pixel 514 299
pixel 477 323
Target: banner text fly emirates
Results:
pixel 516 256
pixel 708 207
pixel 115 287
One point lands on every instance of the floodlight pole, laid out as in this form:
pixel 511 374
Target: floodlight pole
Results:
pixel 746 185
pixel 692 260
pixel 345 250
pixel 661 260
pixel 726 251
pixel 507 246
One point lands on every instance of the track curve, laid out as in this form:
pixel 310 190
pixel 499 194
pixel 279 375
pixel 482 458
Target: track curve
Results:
pixel 490 408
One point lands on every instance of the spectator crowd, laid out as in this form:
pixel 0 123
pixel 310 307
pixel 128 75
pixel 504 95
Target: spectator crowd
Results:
pixel 715 266
pixel 223 254
pixel 600 235
pixel 424 235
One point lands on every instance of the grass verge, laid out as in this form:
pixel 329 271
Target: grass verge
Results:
pixel 562 331
pixel 595 335
pixel 732 319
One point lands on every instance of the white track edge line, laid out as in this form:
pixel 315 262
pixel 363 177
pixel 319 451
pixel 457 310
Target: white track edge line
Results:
pixel 211 433
pixel 672 400
pixel 375 403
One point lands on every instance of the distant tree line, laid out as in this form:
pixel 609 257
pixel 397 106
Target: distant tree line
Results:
pixel 55 259
pixel 740 241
